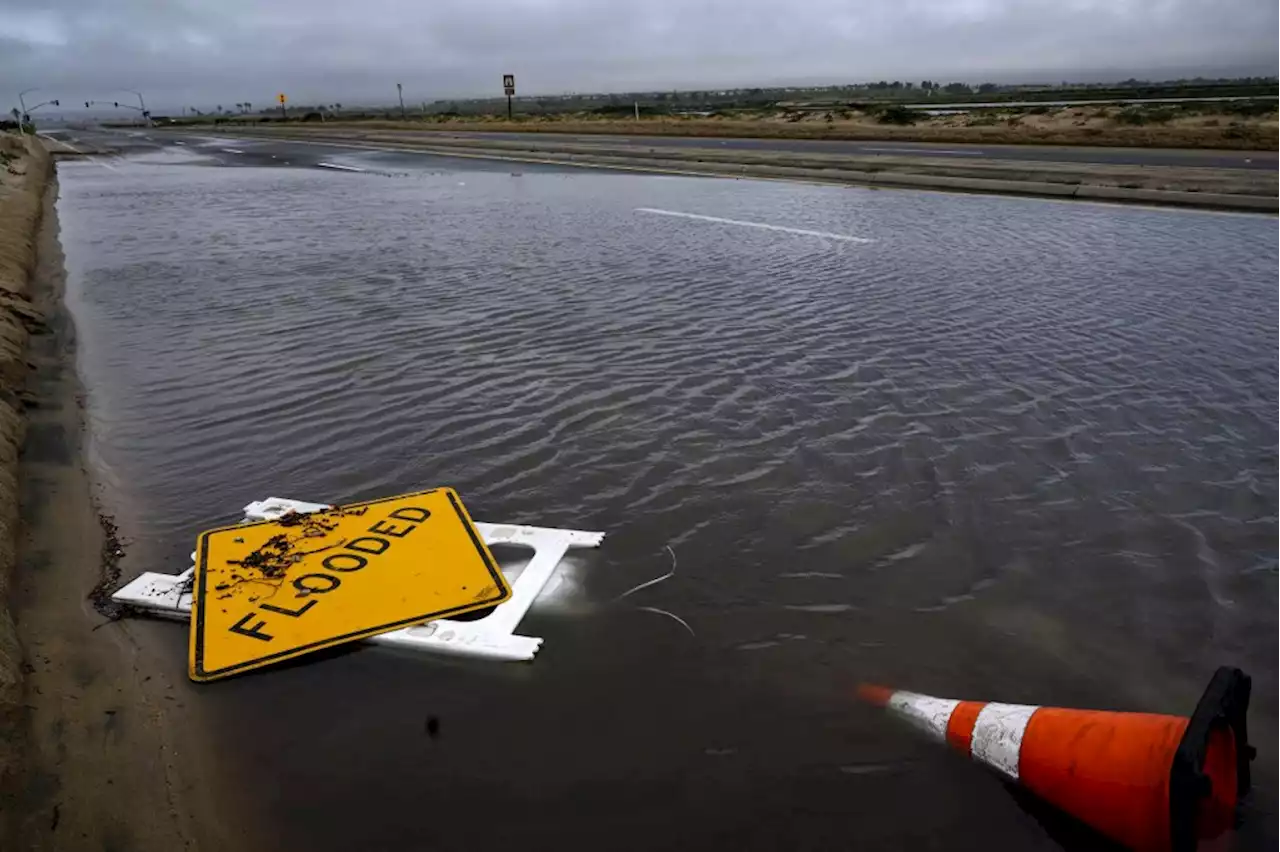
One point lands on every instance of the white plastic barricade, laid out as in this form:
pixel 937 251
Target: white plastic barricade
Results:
pixel 492 637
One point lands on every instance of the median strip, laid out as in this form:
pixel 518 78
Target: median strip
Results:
pixel 1229 189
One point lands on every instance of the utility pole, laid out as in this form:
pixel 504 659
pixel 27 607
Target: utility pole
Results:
pixel 24 120
pixel 400 94
pixel 142 106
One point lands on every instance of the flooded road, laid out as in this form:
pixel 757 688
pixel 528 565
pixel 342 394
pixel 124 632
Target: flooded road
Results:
pixel 980 447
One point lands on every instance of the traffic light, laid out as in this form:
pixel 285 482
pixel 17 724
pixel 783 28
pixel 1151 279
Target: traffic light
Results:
pixel 55 103
pixel 115 103
pixel 86 104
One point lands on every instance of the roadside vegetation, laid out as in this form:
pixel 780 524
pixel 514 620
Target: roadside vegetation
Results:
pixel 1242 114
pixel 1235 124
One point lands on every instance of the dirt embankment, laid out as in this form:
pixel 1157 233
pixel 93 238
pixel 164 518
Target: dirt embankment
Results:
pixel 25 170
pixel 97 748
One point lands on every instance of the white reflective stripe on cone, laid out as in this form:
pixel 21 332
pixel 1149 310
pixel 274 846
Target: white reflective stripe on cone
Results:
pixel 925 712
pixel 997 736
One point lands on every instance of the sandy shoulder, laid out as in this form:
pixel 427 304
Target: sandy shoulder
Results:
pixel 106 758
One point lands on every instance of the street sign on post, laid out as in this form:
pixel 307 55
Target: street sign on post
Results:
pixel 509 87
pixel 273 590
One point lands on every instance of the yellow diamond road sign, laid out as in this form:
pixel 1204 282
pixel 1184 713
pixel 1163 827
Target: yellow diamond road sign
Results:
pixel 274 590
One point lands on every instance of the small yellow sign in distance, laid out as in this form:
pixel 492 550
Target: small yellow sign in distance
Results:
pixel 275 590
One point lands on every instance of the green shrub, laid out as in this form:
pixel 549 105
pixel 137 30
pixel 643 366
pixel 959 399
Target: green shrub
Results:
pixel 1250 109
pixel 895 114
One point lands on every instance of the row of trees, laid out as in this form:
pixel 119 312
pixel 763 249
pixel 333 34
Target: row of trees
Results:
pixel 927 86
pixel 247 107
pixel 931 86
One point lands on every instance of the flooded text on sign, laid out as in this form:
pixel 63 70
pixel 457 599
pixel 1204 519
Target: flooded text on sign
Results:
pixel 272 591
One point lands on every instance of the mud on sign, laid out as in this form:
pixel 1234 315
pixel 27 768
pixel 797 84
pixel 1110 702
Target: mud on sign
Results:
pixel 273 590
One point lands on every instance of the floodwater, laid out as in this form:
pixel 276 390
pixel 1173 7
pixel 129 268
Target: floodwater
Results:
pixel 1006 449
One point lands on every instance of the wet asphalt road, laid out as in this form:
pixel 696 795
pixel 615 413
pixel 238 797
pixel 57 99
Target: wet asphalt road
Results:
pixel 135 146
pixel 1246 160
pixel 1117 156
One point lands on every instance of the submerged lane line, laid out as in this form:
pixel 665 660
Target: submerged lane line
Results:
pixel 336 166
pixel 76 150
pixel 762 225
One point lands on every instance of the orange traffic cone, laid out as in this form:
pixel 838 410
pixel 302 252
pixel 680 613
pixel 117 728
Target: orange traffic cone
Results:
pixel 1153 783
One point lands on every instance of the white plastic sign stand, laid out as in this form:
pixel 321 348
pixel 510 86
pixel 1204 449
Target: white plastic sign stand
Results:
pixel 490 638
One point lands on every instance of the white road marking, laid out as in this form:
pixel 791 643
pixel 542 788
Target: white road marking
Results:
pixel 336 166
pixel 66 145
pixel 762 225
pixel 232 151
pixel 920 152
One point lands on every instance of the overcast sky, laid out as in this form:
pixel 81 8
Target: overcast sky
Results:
pixel 204 52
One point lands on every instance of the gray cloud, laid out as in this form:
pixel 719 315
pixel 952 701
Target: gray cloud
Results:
pixel 201 52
